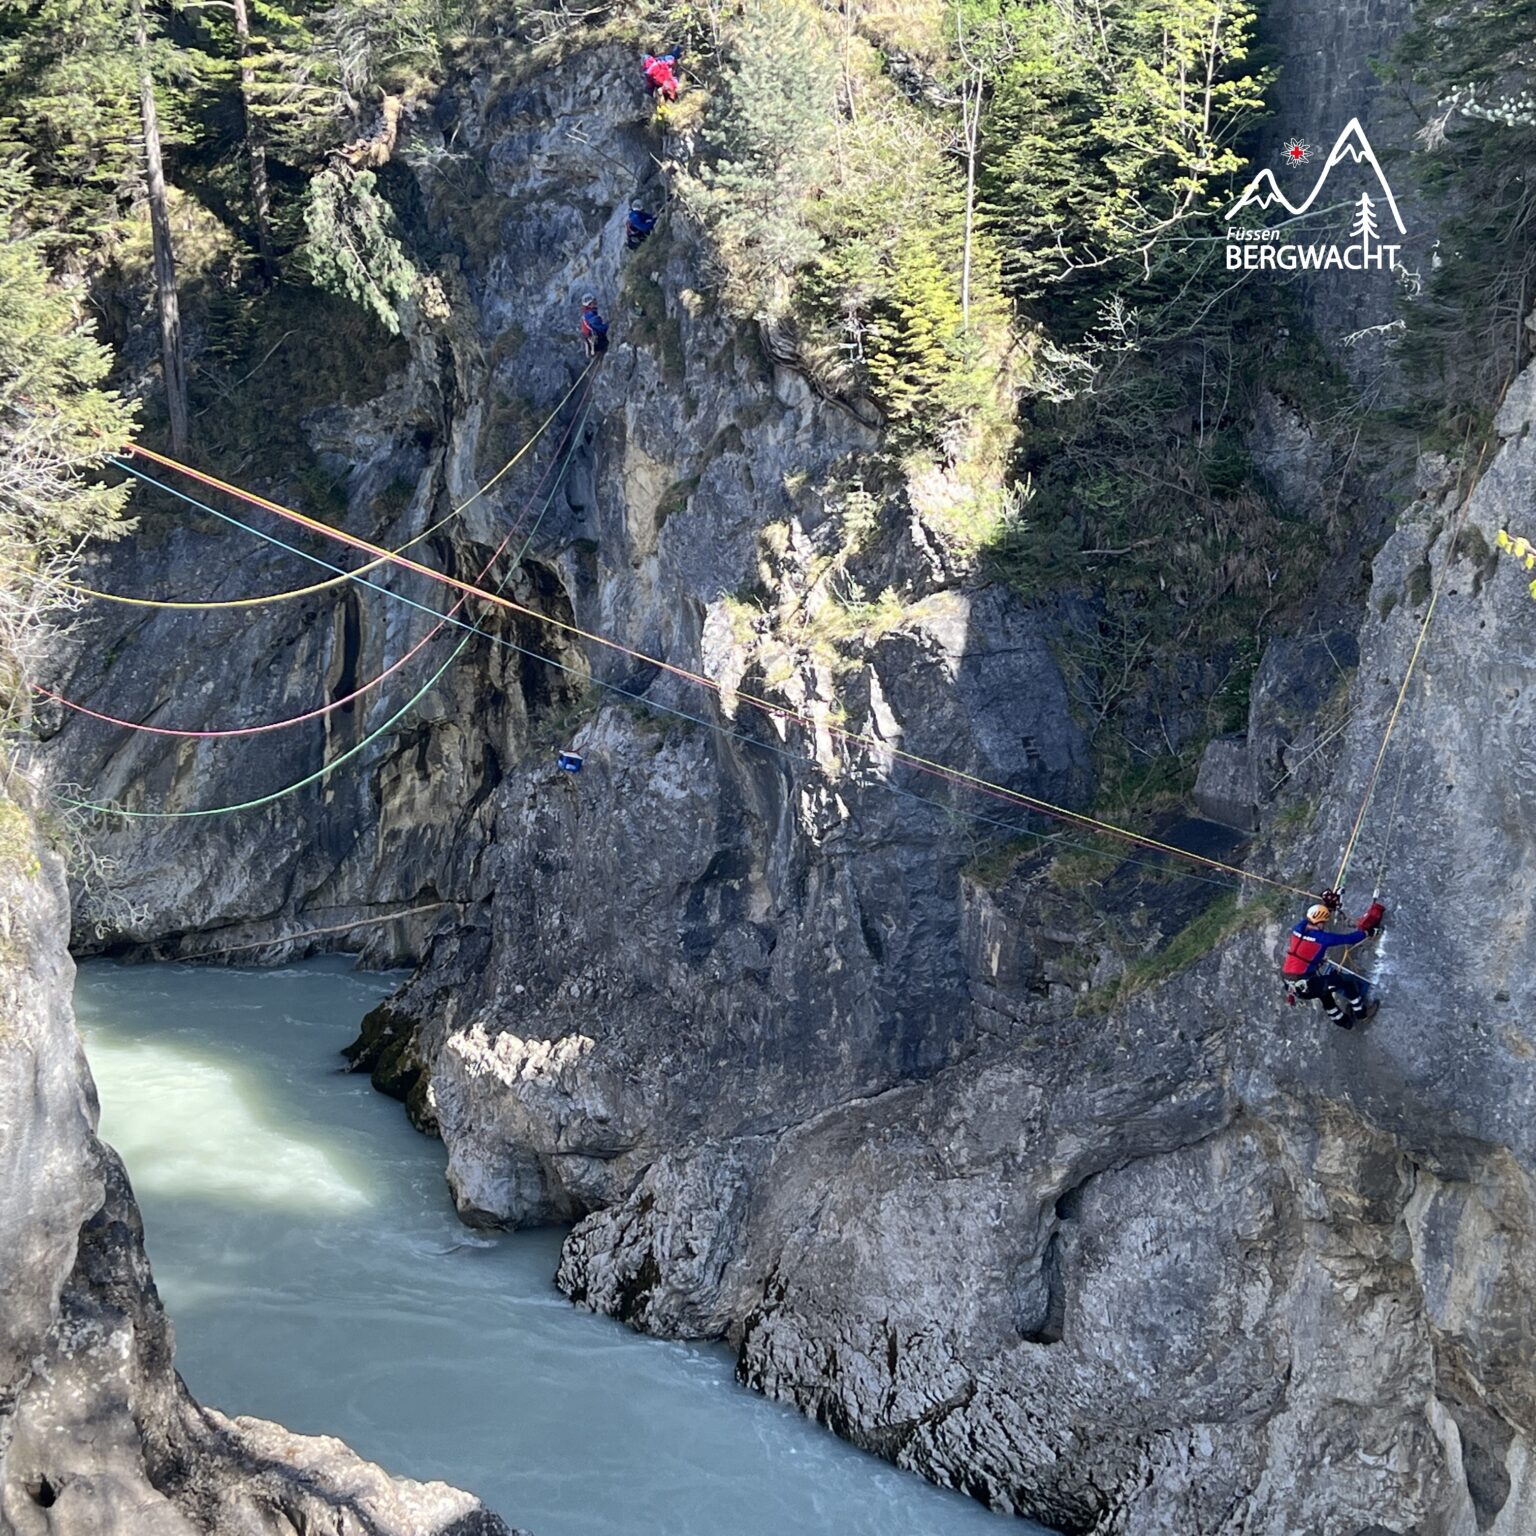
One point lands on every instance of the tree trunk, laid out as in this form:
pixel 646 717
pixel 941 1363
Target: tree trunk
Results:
pixel 970 119
pixel 172 362
pixel 255 146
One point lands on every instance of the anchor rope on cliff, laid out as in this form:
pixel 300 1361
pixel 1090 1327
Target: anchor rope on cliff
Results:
pixel 334 763
pixel 781 713
pixel 335 581
pixel 1054 839
pixel 1402 692
pixel 357 576
pixel 316 933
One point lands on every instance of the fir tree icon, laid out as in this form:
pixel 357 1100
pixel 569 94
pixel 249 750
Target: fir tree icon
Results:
pixel 1365 222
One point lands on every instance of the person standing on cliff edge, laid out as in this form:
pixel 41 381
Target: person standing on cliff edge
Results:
pixel 1310 974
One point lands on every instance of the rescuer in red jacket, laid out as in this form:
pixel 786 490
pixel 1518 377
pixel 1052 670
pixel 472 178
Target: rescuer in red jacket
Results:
pixel 661 73
pixel 1310 974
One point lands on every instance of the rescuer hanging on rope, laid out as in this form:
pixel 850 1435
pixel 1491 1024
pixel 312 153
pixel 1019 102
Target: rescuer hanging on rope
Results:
pixel 594 329
pixel 1309 973
pixel 638 225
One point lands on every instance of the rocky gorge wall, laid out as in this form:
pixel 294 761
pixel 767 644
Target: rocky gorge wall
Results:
pixel 1200 1263
pixel 743 1003
pixel 98 1435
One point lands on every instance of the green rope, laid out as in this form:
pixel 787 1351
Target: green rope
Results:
pixel 368 740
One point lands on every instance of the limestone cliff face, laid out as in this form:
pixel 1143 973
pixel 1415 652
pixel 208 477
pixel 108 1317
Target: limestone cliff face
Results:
pixel 740 1001
pixel 1204 1263
pixel 98 1436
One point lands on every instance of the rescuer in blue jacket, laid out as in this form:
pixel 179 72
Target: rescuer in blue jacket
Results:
pixel 1310 974
pixel 594 329
pixel 638 225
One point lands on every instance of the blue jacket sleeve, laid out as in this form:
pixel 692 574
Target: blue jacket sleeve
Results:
pixel 1331 940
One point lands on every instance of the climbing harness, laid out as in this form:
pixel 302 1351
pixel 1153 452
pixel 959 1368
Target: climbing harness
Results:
pixel 334 581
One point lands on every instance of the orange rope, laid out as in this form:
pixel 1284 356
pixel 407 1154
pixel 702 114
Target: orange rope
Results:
pixel 923 764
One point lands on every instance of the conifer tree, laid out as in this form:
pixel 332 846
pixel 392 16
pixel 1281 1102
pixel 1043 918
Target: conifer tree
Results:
pixel 167 300
pixel 255 143
pixel 773 127
pixel 56 426
pixel 82 79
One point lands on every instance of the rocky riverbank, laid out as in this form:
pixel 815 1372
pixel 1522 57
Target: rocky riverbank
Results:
pixel 98 1435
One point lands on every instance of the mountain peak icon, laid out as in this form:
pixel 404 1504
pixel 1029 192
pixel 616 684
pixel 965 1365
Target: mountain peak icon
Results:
pixel 1263 191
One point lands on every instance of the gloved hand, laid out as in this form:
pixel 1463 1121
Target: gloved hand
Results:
pixel 1373 917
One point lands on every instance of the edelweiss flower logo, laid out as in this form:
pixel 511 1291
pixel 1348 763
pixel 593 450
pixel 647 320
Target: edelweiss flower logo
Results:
pixel 1297 152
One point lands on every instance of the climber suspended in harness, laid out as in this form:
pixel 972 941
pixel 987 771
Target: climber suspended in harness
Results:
pixel 594 329
pixel 1308 972
pixel 660 71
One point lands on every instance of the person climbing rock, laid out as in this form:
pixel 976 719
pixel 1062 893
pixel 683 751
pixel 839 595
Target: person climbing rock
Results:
pixel 1310 974
pixel 661 73
pixel 594 329
pixel 638 225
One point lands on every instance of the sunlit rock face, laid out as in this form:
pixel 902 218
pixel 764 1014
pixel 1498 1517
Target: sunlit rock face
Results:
pixel 98 1436
pixel 818 1080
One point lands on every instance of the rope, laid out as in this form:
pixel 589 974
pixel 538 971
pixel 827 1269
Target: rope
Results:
pixel 330 767
pixel 315 933
pixel 1053 838
pixel 922 764
pixel 334 581
pixel 1413 661
pixel 335 704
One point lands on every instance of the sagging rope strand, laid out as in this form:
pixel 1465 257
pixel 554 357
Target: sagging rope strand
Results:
pixel 1054 839
pixel 780 712
pixel 330 767
pixel 315 933
pixel 1413 661
pixel 334 581
pixel 334 704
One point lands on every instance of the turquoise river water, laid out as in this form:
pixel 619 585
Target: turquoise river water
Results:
pixel 304 1243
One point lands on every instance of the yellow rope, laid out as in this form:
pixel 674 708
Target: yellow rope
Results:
pixel 783 712
pixel 1413 662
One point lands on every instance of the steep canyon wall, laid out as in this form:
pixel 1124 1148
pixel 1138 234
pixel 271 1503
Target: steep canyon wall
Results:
pixel 743 1001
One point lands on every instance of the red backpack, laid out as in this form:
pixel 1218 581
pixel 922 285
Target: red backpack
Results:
pixel 1301 954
